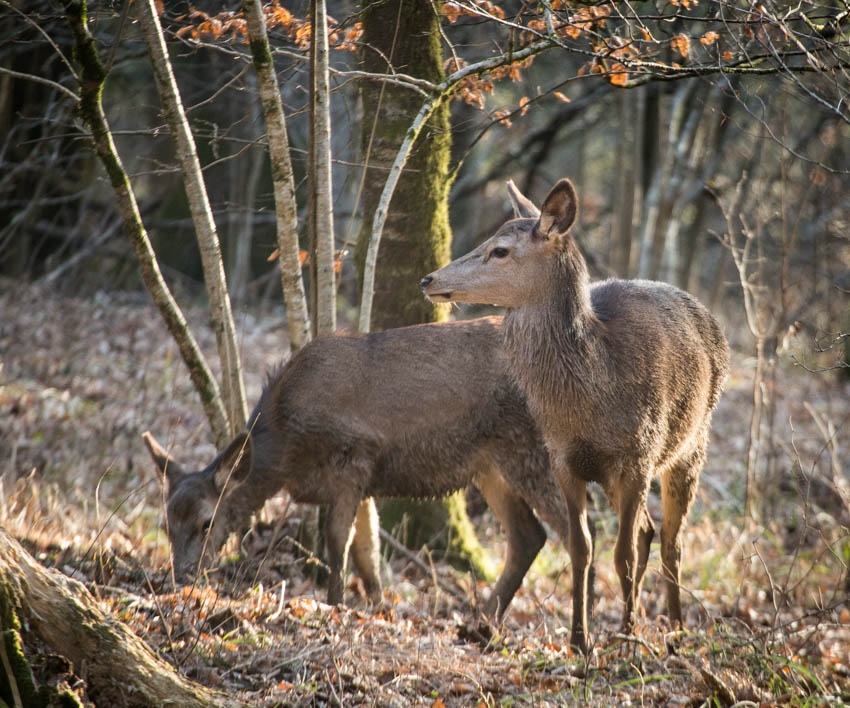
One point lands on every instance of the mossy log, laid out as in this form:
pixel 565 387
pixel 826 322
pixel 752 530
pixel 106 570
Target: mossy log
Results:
pixel 118 667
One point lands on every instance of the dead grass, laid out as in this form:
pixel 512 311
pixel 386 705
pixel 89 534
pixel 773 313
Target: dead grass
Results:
pixel 767 618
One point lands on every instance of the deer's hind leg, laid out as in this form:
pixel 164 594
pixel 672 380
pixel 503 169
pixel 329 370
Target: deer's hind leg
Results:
pixel 525 537
pixel 678 489
pixel 645 534
pixel 339 532
pixel 365 548
pixel 628 496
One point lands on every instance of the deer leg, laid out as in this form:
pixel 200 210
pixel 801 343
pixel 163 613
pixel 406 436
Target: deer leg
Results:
pixel 678 489
pixel 574 490
pixel 646 532
pixel 365 548
pixel 631 507
pixel 525 537
pixel 339 532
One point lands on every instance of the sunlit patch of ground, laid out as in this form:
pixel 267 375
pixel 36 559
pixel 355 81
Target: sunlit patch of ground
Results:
pixel 767 617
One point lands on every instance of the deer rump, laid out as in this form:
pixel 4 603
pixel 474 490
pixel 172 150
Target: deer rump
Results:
pixel 417 411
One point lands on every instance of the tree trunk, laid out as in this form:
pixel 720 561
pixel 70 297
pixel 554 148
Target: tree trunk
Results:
pixel 243 190
pixel 416 235
pixel 403 36
pixel 205 230
pixel 323 284
pixel 93 76
pixel 117 666
pixel 286 208
pixel 624 209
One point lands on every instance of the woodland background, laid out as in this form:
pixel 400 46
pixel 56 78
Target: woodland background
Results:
pixel 710 147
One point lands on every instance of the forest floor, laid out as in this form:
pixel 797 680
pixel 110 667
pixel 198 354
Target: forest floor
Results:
pixel 767 620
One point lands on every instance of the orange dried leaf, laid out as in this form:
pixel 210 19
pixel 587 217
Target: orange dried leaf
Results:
pixel 619 75
pixel 502 117
pixel 681 43
pixel 727 55
pixel 709 38
pixel 438 704
pixel 451 11
pixel 523 105
pixel 560 96
pixel 273 255
pixel 817 176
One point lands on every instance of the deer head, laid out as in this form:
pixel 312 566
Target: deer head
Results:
pixel 197 503
pixel 512 267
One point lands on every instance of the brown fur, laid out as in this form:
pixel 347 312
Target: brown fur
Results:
pixel 621 377
pixel 416 412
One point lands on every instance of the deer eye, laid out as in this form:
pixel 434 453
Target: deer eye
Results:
pixel 205 529
pixel 499 252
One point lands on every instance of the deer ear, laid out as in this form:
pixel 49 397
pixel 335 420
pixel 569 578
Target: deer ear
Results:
pixel 559 210
pixel 523 207
pixel 167 466
pixel 234 463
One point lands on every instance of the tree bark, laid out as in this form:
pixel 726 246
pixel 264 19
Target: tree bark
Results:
pixel 323 224
pixel 414 225
pixel 286 208
pixel 118 667
pixel 624 210
pixel 205 229
pixel 403 36
pixel 93 76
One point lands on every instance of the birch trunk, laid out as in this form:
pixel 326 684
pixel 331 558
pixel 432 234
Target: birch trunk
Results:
pixel 93 77
pixel 624 210
pixel 208 243
pixel 286 208
pixel 652 214
pixel 243 189
pixel 324 284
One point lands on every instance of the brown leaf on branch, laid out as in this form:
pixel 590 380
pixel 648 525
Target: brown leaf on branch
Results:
pixel 681 43
pixel 523 105
pixel 502 116
pixel 619 74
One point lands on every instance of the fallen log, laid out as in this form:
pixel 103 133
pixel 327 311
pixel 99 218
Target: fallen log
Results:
pixel 118 667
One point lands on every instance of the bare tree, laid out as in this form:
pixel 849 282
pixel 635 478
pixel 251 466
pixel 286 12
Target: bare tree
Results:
pixel 286 208
pixel 205 229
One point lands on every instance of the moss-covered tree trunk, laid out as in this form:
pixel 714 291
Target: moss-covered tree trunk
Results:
pixel 403 36
pixel 416 236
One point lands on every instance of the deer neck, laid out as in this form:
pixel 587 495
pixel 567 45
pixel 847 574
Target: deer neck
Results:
pixel 552 342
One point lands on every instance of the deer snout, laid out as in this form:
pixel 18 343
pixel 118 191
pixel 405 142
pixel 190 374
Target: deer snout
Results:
pixel 431 290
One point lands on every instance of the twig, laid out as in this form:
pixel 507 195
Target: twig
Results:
pixel 419 563
pixel 636 640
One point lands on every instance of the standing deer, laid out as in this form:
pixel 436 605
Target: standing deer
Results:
pixel 418 411
pixel 621 378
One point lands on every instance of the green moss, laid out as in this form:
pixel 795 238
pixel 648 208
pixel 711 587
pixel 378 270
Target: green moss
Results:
pixel 13 654
pixel 464 541
pixel 31 695
pixel 260 54
pixel 417 236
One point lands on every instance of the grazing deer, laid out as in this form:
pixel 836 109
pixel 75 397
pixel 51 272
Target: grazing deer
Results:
pixel 621 378
pixel 418 411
